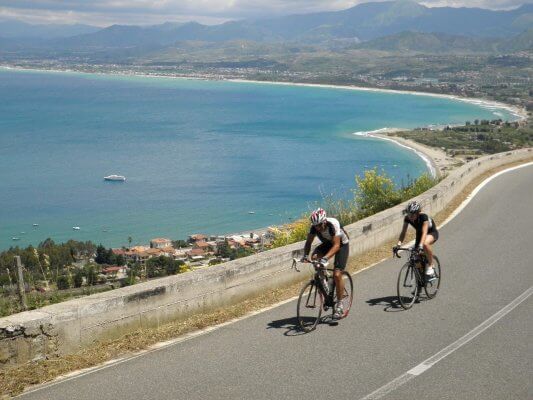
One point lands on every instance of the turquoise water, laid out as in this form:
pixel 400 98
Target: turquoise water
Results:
pixel 198 155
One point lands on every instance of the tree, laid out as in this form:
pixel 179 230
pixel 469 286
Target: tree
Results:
pixel 119 260
pixel 104 256
pixel 224 250
pixel 78 278
pixel 63 282
pixel 90 274
pixel 130 239
pixel 180 243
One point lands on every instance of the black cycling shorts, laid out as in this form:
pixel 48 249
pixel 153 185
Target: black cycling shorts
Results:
pixel 341 257
pixel 435 235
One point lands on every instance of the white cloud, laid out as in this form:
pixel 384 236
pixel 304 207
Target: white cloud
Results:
pixel 106 12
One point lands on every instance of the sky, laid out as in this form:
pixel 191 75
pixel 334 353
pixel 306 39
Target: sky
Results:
pixel 147 12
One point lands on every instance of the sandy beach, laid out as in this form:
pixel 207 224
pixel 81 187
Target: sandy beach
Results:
pixel 440 162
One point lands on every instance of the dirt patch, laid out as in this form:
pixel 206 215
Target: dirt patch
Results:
pixel 13 380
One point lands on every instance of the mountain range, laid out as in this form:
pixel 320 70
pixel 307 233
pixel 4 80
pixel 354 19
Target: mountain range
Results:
pixel 364 22
pixel 401 25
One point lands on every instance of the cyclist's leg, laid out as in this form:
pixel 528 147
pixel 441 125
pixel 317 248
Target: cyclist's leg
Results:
pixel 341 258
pixel 430 239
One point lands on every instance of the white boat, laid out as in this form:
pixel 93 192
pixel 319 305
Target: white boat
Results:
pixel 15 238
pixel 251 212
pixel 118 178
pixel 76 228
pixel 35 224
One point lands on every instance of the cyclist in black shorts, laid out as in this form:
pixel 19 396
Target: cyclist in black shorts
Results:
pixel 426 234
pixel 335 242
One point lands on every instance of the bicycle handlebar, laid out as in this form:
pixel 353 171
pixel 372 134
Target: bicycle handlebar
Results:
pixel 316 264
pixel 396 249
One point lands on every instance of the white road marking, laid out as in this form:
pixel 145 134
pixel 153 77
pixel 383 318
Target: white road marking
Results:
pixel 478 188
pixel 430 362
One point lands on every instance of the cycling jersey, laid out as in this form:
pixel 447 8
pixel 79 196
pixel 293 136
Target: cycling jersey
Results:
pixel 419 222
pixel 333 228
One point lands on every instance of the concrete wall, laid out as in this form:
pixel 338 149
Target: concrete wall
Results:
pixel 65 327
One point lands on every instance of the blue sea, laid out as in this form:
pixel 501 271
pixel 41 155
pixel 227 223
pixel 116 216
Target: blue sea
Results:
pixel 199 156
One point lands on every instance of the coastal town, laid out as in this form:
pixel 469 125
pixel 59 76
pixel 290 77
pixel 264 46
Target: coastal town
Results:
pixel 55 272
pixel 199 251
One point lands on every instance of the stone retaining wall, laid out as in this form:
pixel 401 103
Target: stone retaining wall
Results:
pixel 65 327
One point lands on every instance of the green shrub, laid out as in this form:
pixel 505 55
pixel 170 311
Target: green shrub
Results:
pixel 420 185
pixel 291 233
pixel 375 193
pixel 63 282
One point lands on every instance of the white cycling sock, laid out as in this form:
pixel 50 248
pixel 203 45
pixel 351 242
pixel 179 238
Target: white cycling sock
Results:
pixel 429 270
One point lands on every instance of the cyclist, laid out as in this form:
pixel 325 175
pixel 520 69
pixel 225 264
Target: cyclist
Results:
pixel 335 242
pixel 426 234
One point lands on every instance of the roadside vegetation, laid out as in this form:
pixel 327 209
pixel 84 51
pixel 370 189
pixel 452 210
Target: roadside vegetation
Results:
pixel 375 192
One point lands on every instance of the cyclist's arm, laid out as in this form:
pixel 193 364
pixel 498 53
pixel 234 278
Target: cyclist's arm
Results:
pixel 308 243
pixel 336 246
pixel 402 234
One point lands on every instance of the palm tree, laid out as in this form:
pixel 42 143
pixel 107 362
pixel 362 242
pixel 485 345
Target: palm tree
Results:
pixel 130 240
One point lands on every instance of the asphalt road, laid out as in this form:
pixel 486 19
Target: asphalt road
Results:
pixel 486 254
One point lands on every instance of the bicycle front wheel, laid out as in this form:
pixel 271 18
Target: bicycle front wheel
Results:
pixel 309 308
pixel 407 286
pixel 347 296
pixel 431 288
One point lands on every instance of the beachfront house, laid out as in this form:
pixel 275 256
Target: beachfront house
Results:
pixel 160 243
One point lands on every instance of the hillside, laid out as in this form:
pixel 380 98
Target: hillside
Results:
pixel 431 43
pixel 363 22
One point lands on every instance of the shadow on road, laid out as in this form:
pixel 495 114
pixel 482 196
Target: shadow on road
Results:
pixel 390 302
pixel 291 326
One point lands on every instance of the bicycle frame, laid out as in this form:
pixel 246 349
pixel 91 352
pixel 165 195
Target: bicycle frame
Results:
pixel 319 269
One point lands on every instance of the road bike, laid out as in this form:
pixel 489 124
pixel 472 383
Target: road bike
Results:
pixel 411 279
pixel 320 294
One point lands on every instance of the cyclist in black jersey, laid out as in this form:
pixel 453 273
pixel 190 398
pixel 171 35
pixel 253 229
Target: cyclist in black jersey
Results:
pixel 335 242
pixel 426 234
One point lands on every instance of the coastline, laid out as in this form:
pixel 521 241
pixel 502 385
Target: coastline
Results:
pixel 519 113
pixel 435 158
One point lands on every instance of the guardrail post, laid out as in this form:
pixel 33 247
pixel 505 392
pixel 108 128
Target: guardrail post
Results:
pixel 20 282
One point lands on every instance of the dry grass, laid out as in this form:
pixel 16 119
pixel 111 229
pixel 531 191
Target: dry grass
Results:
pixel 13 380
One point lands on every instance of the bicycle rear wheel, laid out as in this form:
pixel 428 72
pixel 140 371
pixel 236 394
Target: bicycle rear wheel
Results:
pixel 347 297
pixel 431 288
pixel 309 308
pixel 407 286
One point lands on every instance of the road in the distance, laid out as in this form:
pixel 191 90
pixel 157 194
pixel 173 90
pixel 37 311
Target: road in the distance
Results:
pixel 486 253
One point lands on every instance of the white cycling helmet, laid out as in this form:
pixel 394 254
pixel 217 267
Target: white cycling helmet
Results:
pixel 318 216
pixel 413 207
